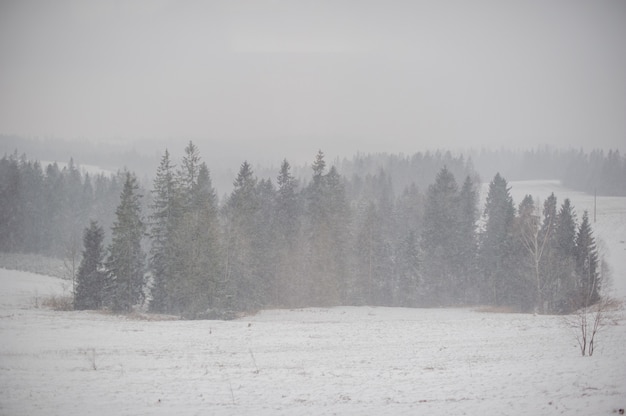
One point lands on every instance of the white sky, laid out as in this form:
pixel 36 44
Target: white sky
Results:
pixel 285 78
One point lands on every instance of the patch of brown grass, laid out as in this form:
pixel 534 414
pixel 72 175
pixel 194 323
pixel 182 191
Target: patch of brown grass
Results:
pixel 58 303
pixel 496 309
pixel 150 317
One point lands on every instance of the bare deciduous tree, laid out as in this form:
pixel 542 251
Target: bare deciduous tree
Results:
pixel 591 318
pixel 535 243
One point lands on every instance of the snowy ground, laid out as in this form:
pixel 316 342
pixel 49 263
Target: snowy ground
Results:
pixel 374 361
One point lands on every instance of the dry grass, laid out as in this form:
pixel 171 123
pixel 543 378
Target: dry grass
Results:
pixel 150 317
pixel 58 303
pixel 496 309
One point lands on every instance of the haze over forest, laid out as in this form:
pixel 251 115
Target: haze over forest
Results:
pixel 263 81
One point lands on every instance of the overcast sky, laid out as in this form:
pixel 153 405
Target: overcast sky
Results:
pixel 285 78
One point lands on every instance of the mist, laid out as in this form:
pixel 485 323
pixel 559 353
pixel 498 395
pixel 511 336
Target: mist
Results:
pixel 268 80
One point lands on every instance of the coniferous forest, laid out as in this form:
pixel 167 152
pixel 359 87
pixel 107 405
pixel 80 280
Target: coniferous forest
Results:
pixel 325 240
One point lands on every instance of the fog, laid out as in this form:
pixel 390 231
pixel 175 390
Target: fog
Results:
pixel 273 79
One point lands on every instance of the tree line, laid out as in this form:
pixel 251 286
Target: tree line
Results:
pixel 43 209
pixel 332 241
pixel 597 171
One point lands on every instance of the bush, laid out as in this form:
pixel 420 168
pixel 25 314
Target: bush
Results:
pixel 58 303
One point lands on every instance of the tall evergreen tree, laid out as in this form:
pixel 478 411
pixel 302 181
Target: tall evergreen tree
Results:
pixel 467 290
pixel 373 268
pixel 338 226
pixel 244 288
pixel 408 214
pixel 287 220
pixel 189 171
pixel 531 284
pixel 587 265
pixel 91 277
pixel 408 271
pixel 565 240
pixel 548 262
pixel 375 281
pixel 440 243
pixel 265 244
pixel 287 203
pixel 10 189
pixel 196 251
pixel 33 207
pixel 327 219
pixel 166 210
pixel 496 254
pixel 125 262
pixel 54 194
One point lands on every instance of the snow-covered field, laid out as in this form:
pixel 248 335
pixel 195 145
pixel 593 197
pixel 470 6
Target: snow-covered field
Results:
pixel 361 361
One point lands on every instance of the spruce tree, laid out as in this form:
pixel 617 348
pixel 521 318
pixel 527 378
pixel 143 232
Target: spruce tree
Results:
pixel 440 243
pixel 265 244
pixel 466 289
pixel 10 214
pixel 91 277
pixel 372 286
pixel 587 265
pixel 549 261
pixel 408 217
pixel 338 217
pixel 244 288
pixel 287 204
pixel 286 218
pixel 531 282
pixel 125 262
pixel 326 228
pixel 33 207
pixel 165 212
pixel 496 254
pixel 195 265
pixel 374 280
pixel 565 240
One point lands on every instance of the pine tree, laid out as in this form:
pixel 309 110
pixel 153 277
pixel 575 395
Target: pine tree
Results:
pixel 565 240
pixel 374 281
pixel 91 277
pixel 549 259
pixel 440 244
pixel 408 271
pixel 10 189
pixel 587 265
pixel 242 284
pixel 319 166
pixel 125 262
pixel 496 253
pixel 326 228
pixel 531 285
pixel 338 217
pixel 165 212
pixel 466 289
pixel 195 265
pixel 374 272
pixel 265 244
pixel 33 207
pixel 54 191
pixel 287 208
pixel 409 209
pixel 189 171
pixel 287 221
